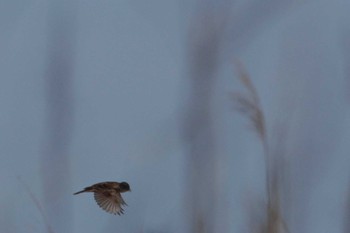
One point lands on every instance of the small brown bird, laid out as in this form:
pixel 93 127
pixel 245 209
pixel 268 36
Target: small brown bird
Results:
pixel 107 195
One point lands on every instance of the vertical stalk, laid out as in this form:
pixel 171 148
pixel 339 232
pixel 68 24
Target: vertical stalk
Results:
pixel 204 50
pixel 59 74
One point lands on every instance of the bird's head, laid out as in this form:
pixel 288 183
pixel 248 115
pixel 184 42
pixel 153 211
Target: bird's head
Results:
pixel 124 187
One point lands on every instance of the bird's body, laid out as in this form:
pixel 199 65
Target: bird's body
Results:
pixel 107 195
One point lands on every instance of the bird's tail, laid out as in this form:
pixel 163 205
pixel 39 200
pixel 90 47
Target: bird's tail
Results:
pixel 87 189
pixel 79 192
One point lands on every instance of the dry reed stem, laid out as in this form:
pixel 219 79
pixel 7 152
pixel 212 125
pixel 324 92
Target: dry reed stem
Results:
pixel 249 105
pixel 37 205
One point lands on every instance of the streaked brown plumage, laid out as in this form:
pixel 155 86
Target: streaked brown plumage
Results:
pixel 107 195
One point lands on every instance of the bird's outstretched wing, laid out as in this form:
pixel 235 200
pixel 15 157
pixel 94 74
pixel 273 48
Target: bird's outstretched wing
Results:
pixel 110 201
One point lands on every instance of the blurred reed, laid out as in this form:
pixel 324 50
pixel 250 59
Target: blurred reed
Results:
pixel 249 105
pixel 37 204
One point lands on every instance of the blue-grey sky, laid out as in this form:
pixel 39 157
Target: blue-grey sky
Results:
pixel 93 91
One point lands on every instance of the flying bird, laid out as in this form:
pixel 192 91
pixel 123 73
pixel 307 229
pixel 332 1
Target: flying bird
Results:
pixel 108 195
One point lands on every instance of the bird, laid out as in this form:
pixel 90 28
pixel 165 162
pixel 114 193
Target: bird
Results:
pixel 108 195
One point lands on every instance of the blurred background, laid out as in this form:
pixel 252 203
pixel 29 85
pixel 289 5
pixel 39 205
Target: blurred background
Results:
pixel 223 116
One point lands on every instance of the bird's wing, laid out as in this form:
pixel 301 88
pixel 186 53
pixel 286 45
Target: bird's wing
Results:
pixel 110 201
